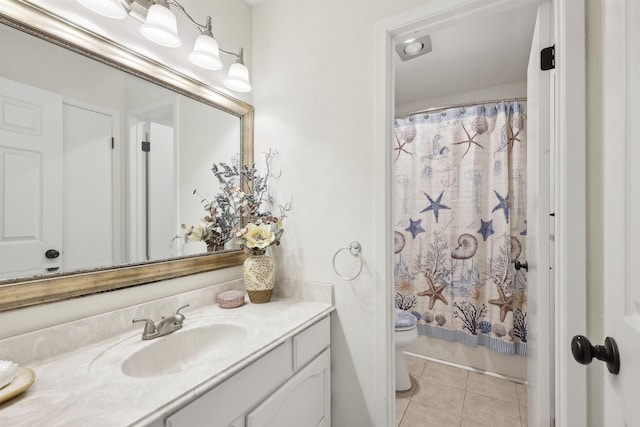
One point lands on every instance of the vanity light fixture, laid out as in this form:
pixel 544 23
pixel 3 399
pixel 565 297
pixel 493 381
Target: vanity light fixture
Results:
pixel 160 26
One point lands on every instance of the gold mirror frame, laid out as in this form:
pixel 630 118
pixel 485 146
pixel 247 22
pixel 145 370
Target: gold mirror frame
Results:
pixel 42 289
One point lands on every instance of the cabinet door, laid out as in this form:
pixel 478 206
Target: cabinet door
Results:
pixel 304 400
pixel 226 402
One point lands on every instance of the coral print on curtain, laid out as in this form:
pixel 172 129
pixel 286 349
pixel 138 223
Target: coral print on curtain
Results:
pixel 459 212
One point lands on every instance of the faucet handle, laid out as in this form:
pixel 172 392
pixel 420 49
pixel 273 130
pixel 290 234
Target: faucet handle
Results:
pixel 149 327
pixel 178 310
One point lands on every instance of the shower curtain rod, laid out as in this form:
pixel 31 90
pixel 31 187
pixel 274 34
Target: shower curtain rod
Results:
pixel 471 104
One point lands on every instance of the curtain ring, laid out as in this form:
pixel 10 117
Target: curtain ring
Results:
pixel 354 248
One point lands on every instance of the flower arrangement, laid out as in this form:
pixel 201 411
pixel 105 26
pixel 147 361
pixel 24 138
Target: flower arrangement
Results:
pixel 236 212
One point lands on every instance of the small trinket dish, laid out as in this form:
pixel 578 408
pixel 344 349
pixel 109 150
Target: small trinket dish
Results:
pixel 230 299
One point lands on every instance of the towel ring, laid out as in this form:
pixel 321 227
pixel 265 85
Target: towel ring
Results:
pixel 355 248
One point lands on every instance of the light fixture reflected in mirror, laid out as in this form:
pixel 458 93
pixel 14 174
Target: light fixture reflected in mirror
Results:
pixel 160 26
pixel 110 8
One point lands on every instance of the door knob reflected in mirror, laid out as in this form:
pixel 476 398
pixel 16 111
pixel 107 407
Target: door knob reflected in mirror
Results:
pixel 52 254
pixel 584 352
pixel 520 265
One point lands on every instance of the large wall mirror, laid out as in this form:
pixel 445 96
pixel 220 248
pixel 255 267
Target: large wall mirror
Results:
pixel 100 153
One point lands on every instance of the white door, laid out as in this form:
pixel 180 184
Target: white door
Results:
pixel 540 345
pixel 30 179
pixel 621 149
pixel 88 201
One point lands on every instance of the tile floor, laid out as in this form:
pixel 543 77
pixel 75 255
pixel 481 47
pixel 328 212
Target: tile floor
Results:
pixel 443 396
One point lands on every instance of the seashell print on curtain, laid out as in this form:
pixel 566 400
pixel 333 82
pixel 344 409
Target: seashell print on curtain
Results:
pixel 459 215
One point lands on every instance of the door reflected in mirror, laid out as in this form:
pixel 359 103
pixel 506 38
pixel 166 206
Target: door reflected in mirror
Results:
pixel 99 166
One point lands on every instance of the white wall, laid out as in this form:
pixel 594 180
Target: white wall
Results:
pixel 505 91
pixel 314 98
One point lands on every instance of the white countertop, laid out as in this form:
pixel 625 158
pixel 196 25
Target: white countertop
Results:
pixel 85 386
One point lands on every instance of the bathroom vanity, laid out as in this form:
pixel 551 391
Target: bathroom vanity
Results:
pixel 289 386
pixel 255 365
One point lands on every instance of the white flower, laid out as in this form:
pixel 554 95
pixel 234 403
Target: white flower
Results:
pixel 197 233
pixel 259 236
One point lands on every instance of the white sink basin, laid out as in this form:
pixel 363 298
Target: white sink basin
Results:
pixel 174 352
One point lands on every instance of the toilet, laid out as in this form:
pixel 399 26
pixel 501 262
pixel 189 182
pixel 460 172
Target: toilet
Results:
pixel 406 332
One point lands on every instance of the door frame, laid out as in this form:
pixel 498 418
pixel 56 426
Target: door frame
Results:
pixel 568 192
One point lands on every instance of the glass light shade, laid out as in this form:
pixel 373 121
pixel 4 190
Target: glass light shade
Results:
pixel 206 53
pixel 109 8
pixel 161 27
pixel 238 78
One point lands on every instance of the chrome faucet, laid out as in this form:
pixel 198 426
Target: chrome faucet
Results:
pixel 165 326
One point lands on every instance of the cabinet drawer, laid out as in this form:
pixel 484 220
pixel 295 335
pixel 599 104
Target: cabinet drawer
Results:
pixel 310 342
pixel 223 404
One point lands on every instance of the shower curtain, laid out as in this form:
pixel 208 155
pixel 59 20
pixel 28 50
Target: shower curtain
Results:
pixel 459 213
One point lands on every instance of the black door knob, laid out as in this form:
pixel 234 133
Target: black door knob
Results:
pixel 52 253
pixel 584 352
pixel 520 265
